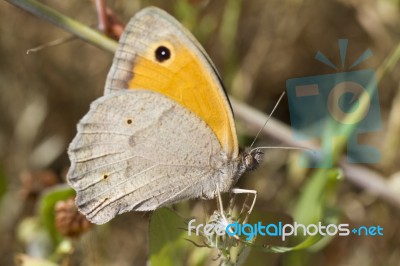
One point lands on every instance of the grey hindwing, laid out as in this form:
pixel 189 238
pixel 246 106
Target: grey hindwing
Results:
pixel 139 150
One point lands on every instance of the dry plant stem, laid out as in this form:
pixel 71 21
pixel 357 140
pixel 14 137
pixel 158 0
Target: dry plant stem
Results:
pixel 109 23
pixel 360 176
pixel 102 15
pixel 372 182
pixel 369 20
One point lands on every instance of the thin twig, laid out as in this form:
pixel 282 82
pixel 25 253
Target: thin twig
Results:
pixel 51 44
pixel 80 30
pixel 102 15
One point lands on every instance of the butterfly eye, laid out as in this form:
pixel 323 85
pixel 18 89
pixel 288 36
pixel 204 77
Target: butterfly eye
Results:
pixel 162 53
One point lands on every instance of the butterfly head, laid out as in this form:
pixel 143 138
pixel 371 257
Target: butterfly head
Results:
pixel 251 158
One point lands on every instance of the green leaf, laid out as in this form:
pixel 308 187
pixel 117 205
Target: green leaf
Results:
pixel 168 245
pixel 314 206
pixel 320 188
pixel 46 208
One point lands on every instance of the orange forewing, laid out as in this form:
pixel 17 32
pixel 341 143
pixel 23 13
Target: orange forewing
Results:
pixel 188 82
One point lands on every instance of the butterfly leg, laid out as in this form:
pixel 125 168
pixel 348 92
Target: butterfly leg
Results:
pixel 232 202
pixel 221 209
pixel 220 205
pixel 246 191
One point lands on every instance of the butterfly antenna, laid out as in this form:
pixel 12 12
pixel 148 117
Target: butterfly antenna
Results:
pixel 286 148
pixel 269 117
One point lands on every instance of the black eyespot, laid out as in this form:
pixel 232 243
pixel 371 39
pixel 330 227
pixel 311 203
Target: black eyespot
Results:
pixel 162 53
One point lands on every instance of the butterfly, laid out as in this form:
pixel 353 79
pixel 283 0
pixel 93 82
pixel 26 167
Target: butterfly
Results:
pixel 163 131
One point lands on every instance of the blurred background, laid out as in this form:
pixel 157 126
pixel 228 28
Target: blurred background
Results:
pixel 256 45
